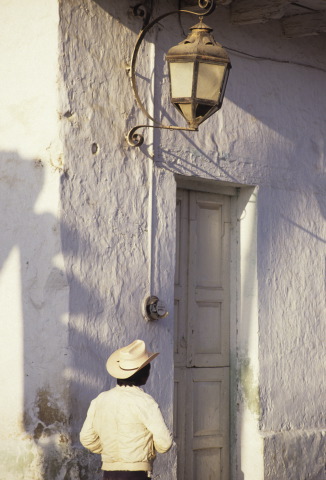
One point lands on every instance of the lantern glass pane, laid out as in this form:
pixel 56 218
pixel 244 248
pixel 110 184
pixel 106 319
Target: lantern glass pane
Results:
pixel 209 83
pixel 181 75
pixel 186 109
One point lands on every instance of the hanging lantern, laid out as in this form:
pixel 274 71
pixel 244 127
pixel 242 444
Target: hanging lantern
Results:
pixel 198 69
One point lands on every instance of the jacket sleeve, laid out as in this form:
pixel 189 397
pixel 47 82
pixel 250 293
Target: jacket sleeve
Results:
pixel 155 424
pixel 88 436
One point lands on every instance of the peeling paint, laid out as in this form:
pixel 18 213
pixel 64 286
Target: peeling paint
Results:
pixel 48 410
pixel 52 454
pixel 38 163
pixel 249 386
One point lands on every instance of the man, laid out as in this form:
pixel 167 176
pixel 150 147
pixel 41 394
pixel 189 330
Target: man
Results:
pixel 125 424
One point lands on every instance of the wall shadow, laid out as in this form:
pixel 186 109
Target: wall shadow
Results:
pixel 50 298
pixel 36 239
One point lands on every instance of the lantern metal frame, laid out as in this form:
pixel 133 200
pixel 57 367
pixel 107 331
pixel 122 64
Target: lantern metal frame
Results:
pixel 136 139
pixel 200 51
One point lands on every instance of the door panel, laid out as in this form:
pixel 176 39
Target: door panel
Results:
pixel 208 280
pixel 202 336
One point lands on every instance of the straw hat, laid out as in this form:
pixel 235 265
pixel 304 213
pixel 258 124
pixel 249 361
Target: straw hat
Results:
pixel 126 361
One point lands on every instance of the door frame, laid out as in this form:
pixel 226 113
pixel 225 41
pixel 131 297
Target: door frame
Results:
pixel 243 199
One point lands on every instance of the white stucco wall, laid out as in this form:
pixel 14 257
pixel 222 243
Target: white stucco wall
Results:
pixel 33 285
pixel 89 231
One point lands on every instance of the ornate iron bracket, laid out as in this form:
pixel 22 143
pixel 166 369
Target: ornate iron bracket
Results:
pixel 136 139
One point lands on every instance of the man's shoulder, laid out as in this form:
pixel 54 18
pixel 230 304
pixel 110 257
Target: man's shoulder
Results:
pixel 145 397
pixel 104 395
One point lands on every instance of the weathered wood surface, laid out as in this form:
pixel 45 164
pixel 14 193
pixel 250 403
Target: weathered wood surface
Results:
pixel 304 25
pixel 312 4
pixel 257 11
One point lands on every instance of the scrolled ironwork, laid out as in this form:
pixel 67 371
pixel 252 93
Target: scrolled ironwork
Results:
pixel 136 140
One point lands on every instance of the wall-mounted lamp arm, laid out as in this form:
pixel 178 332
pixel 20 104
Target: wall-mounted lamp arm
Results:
pixel 136 140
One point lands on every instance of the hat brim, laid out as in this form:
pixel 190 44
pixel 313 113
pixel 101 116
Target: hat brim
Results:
pixel 114 369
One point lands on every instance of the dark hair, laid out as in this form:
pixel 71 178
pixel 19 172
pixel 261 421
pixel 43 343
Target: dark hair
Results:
pixel 137 379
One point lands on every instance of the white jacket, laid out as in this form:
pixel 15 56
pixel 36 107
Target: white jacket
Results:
pixel 126 427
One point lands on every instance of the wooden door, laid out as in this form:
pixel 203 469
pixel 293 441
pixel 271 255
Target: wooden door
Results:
pixel 201 403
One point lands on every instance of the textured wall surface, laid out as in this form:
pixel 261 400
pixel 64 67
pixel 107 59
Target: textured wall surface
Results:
pixel 33 285
pixel 89 231
pixel 107 218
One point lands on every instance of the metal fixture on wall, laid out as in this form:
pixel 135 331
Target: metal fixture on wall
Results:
pixel 198 73
pixel 154 308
